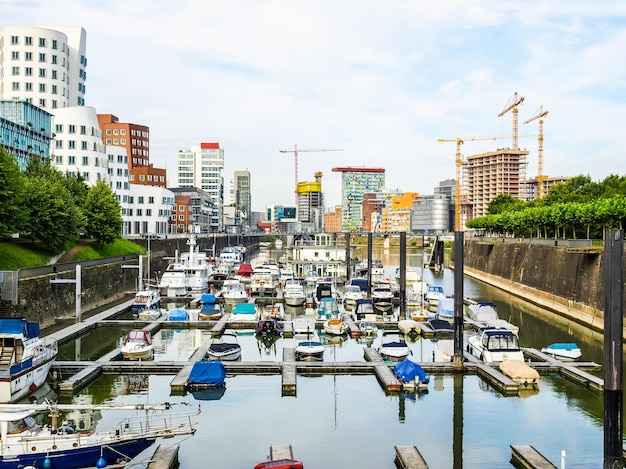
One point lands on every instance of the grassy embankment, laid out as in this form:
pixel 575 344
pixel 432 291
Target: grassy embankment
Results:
pixel 21 254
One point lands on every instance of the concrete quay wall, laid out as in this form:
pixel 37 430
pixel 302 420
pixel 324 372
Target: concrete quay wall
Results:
pixel 568 281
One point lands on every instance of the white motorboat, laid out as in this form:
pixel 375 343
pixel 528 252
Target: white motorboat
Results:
pixel 564 351
pixel 138 345
pixel 26 444
pixel 173 281
pixel 443 351
pixel 493 345
pixel 190 273
pixel 294 295
pixel 368 328
pixel 304 324
pixel 382 297
pixel 393 346
pixel 25 358
pixel 351 294
pixel 335 326
pixel 433 295
pixel 364 310
pixel 262 284
pixel 485 312
pixel 310 350
pixel 224 347
pixel 148 299
pixel 409 327
pixel 274 311
pixel 234 292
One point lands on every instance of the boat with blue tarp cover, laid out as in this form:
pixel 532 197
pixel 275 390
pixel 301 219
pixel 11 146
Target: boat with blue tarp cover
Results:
pixel 178 314
pixel 206 374
pixel 410 374
pixel 25 358
pixel 209 308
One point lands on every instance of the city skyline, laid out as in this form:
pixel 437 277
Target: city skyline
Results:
pixel 381 81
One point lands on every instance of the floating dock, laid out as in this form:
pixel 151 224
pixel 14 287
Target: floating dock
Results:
pixel 409 457
pixel 527 457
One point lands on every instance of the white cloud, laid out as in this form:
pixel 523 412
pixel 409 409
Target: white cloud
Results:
pixel 381 80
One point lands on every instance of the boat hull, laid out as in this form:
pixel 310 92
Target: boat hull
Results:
pixel 80 457
pixel 22 384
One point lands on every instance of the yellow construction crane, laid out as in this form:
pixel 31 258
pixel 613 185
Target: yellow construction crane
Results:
pixel 295 152
pixel 459 162
pixel 540 177
pixel 513 102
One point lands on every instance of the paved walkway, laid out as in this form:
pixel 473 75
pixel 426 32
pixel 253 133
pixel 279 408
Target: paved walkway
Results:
pixel 69 255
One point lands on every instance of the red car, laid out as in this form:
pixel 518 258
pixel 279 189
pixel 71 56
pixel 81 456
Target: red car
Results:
pixel 280 464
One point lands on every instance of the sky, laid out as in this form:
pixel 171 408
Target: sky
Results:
pixel 377 81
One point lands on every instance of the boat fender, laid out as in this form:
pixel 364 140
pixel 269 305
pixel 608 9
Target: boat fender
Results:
pixel 47 463
pixel 32 387
pixel 101 463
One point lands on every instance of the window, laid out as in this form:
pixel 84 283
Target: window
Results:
pixel 58 128
pixel 71 144
pixel 54 59
pixel 148 212
pixel 28 41
pixel 54 43
pixel 42 103
pixel 181 217
pixel 59 159
pixel 42 87
pixel 15 40
pixel 108 132
pixel 140 199
pixel 15 55
pixel 123 141
pixel 42 42
pixel 108 141
pixel 54 104
pixel 28 71
pixel 142 177
pixel 54 74
pixel 28 56
pixel 116 132
pixel 42 72
pixel 150 200
pixel 42 57
pixel 54 89
pixel 122 131
pixel 83 130
pixel 15 86
pixel 85 161
pixel 71 128
pixel 83 145
pixel 59 143
pixel 86 176
pixel 15 70
pixel 115 141
pixel 71 160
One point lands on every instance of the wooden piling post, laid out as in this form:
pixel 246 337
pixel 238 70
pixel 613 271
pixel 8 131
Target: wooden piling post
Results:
pixel 613 323
pixel 457 360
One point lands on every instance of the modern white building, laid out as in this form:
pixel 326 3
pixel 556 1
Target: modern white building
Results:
pixel 46 66
pixel 201 166
pixel 149 209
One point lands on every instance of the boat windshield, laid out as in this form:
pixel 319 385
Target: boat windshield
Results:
pixel 21 425
pixel 501 342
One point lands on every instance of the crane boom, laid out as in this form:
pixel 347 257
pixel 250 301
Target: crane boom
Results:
pixel 516 101
pixel 540 177
pixel 295 152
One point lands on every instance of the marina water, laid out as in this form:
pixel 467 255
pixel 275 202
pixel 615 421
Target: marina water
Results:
pixel 347 421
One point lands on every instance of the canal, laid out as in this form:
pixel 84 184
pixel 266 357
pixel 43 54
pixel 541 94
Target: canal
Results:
pixel 340 421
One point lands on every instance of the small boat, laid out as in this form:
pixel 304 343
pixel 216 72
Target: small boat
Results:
pixel 411 375
pixel 368 328
pixel 393 346
pixel 206 374
pixel 210 309
pixel 364 310
pixel 268 326
pixel 310 350
pixel 494 345
pixel 409 327
pixel 351 294
pixel 234 292
pixel 280 464
pixel 244 312
pixel 25 360
pixel 439 326
pixel 382 297
pixel 224 347
pixel 149 299
pixel 149 314
pixel 311 278
pixel 178 314
pixel 138 345
pixel 565 351
pixel 520 372
pixel 433 295
pixel 328 307
pixel 304 324
pixel 294 295
pixel 26 444
pixel 485 312
pixel 445 309
pixel 335 326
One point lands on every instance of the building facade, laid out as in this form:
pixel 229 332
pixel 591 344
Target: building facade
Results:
pixel 489 174
pixel 201 167
pixel 199 212
pixel 241 197
pixel 43 66
pixel 311 202
pixel 430 215
pixel 24 131
pixel 355 182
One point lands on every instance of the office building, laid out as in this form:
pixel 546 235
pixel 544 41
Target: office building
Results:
pixel 311 203
pixel 355 182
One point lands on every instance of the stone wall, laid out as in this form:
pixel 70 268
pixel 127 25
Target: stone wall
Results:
pixel 568 281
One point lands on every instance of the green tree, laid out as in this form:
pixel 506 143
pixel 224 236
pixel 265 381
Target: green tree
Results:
pixel 103 219
pixel 12 215
pixel 53 217
pixel 504 203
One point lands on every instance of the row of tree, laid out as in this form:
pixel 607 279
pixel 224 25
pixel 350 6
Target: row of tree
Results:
pixel 45 205
pixel 576 208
